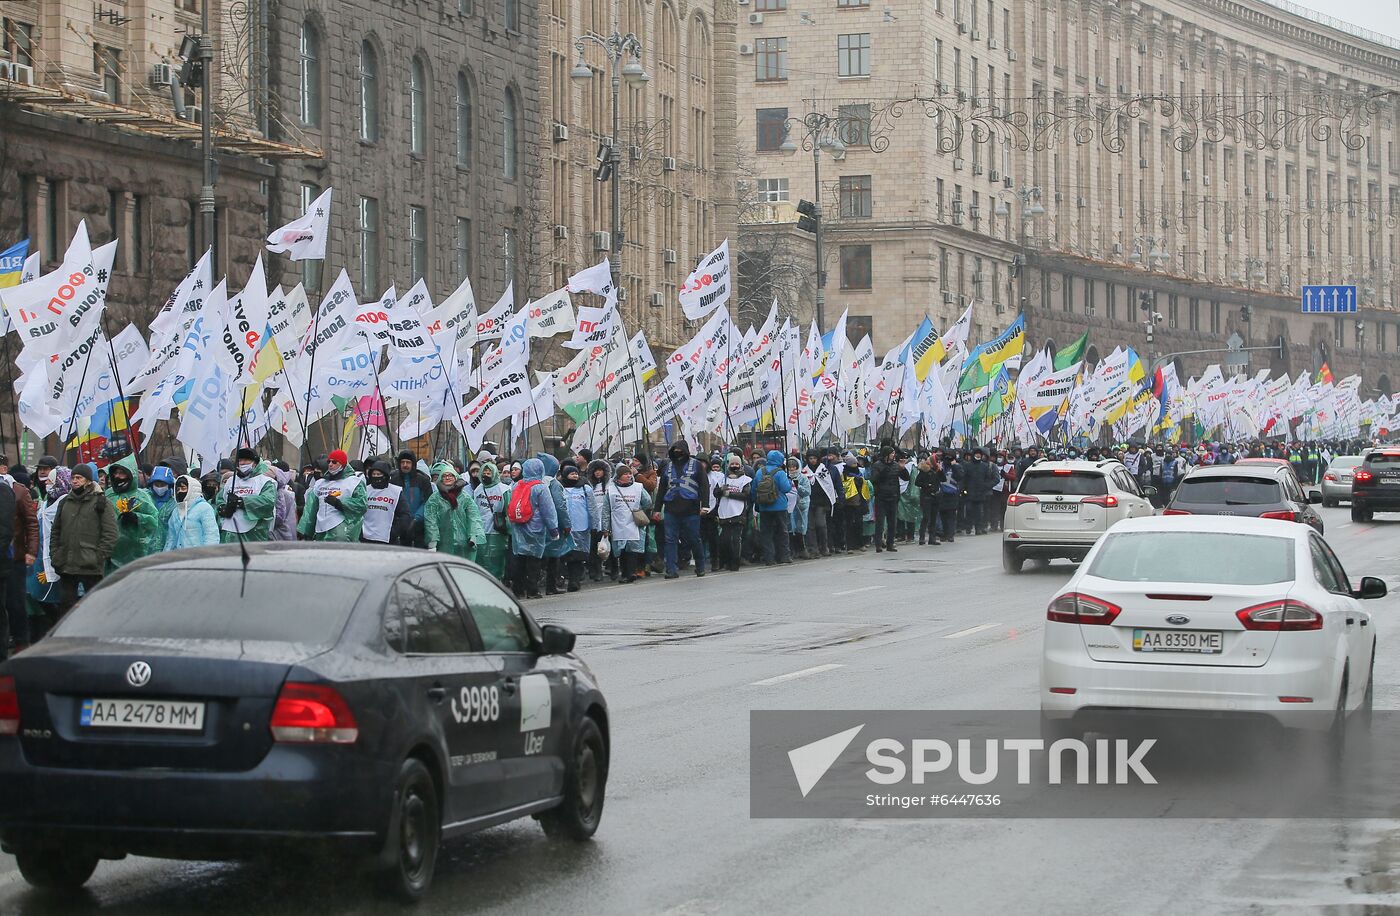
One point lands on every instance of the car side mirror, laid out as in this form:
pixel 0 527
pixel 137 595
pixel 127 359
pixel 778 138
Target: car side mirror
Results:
pixel 557 640
pixel 1314 497
pixel 1371 587
pixel 1149 492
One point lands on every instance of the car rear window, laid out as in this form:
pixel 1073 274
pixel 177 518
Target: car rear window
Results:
pixel 1229 491
pixel 1075 483
pixel 1194 556
pixel 1349 461
pixel 189 603
pixel 1384 461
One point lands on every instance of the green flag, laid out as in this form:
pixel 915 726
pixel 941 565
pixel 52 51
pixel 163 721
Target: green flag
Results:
pixel 1072 354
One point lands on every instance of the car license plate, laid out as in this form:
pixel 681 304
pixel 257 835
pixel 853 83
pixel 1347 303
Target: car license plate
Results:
pixel 166 715
pixel 1059 507
pixel 1200 642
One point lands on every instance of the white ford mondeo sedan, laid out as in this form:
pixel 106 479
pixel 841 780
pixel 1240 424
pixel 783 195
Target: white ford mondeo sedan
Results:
pixel 1208 615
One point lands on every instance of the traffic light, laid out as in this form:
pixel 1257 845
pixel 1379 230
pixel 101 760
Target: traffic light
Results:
pixel 1246 313
pixel 808 218
pixel 1145 302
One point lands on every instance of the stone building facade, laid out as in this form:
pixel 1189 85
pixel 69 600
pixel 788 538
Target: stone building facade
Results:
pixel 1062 156
pixel 428 113
pixel 677 142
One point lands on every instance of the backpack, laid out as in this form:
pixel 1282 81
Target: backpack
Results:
pixel 766 493
pixel 520 509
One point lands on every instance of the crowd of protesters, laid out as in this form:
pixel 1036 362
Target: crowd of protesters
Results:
pixel 546 524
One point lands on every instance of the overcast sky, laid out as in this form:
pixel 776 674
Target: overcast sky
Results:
pixel 1376 15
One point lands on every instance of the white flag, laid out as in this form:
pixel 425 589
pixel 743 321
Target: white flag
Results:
pixel 707 287
pixel 247 323
pixel 596 279
pixel 510 394
pixel 551 315
pixel 304 238
pixel 490 325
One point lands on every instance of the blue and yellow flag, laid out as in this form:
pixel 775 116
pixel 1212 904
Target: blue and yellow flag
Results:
pixel 1005 345
pixel 923 350
pixel 12 264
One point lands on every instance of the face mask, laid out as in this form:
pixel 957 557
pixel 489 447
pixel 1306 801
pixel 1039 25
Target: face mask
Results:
pixel 334 468
pixel 159 489
pixel 245 470
pixel 735 471
pixel 378 481
pixel 180 495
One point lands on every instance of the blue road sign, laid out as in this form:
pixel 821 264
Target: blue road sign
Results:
pixel 1329 299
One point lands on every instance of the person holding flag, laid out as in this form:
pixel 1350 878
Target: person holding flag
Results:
pixel 335 504
pixel 136 517
pixel 247 501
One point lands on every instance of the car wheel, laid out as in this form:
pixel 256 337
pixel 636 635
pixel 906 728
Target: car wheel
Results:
pixel 1358 514
pixel 1012 561
pixel 585 783
pixel 1368 700
pixel 415 833
pixel 56 869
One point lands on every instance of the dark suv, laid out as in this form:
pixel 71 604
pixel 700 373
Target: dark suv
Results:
pixel 1258 490
pixel 1375 485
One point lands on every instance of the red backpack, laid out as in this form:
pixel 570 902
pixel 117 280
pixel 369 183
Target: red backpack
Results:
pixel 520 510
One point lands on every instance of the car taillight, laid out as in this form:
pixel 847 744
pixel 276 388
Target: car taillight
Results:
pixel 1362 477
pixel 9 707
pixel 1020 499
pixel 1287 516
pixel 1329 476
pixel 1175 512
pixel 1107 502
pixel 312 714
pixel 1079 608
pixel 1280 615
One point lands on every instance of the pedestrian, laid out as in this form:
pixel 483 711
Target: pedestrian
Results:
pixel 627 505
pixel 598 480
pixel 247 500
pixel 162 488
pixel 682 490
pixel 770 489
pixel 451 521
pixel 284 515
pixel 534 522
pixel 83 538
pixel 24 549
pixel 1005 484
pixel 416 487
pixel 335 505
pixel 980 478
pixel 560 544
pixel 136 518
pixel 733 497
pixel 909 512
pixel 491 496
pixel 192 522
pixel 855 500
pixel 799 509
pixel 822 503
pixel 43 584
pixel 885 476
pixel 927 482
pixel 709 517
pixel 579 508
pixel 653 540
pixel 949 497
pixel 386 513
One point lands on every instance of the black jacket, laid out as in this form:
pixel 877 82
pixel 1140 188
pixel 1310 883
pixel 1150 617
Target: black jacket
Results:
pixel 978 479
pixel 885 477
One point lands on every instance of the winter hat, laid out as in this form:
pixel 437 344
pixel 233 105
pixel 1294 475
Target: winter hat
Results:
pixel 48 461
pixel 246 454
pixel 87 470
pixel 442 467
pixel 339 457
pixel 407 455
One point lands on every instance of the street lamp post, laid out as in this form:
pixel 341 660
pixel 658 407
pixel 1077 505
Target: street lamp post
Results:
pixel 820 131
pixel 618 48
pixel 1031 207
pixel 1156 254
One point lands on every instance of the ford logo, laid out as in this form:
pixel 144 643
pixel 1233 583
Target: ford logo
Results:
pixel 1178 619
pixel 138 674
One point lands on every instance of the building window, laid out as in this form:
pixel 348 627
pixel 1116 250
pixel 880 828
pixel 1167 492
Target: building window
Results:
pixel 310 269
pixel 854 124
pixel 512 15
pixel 511 252
pixel 107 64
pixel 853 54
pixel 114 215
pixel 464 248
pixel 855 196
pixel 417 244
pixel 309 60
pixel 772 128
pixel 770 6
pixel 855 267
pixel 773 190
pixel 369 245
pixel 17 42
pixel 512 135
pixel 464 121
pixel 464 7
pixel 847 4
pixel 369 93
pixel 418 107
pixel 770 59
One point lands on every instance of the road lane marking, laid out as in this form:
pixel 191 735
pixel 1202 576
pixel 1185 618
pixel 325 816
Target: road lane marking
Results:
pixel 856 591
pixel 718 617
pixel 792 675
pixel 970 630
pixel 976 569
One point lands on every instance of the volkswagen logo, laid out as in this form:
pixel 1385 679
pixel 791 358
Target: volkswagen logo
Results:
pixel 1178 619
pixel 138 674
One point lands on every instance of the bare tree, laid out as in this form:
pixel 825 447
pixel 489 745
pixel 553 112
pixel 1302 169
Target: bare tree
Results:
pixel 776 259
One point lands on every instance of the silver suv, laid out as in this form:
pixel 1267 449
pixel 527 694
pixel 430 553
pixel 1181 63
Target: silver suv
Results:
pixel 1060 508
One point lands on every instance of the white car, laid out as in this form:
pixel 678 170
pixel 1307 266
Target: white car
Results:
pixel 1208 615
pixel 1060 508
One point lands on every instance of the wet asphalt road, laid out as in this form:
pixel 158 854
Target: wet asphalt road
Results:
pixel 683 662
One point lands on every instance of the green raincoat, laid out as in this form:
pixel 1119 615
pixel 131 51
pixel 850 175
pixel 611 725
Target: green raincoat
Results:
pixel 321 521
pixel 491 501
pixel 133 540
pixel 450 530
pixel 259 495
